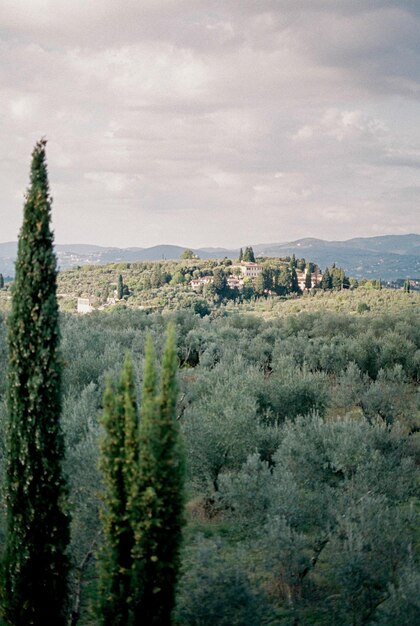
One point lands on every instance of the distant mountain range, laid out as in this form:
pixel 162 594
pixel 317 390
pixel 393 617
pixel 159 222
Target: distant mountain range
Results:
pixel 388 257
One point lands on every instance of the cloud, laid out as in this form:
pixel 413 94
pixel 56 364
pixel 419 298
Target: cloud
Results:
pixel 212 122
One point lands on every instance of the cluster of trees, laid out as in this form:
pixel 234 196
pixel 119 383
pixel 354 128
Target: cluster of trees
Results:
pixel 143 469
pixel 334 278
pixel 247 255
pixel 244 382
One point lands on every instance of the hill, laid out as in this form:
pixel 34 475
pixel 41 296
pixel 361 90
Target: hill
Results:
pixel 388 257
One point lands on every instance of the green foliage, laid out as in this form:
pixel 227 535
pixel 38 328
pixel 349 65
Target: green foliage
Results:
pixel 308 279
pixel 326 282
pixel 294 285
pixel 220 426
pixel 332 531
pixel 291 391
pixel 217 592
pixel 188 254
pixel 248 255
pixel 288 504
pixel 120 287
pixel 219 282
pixel 143 471
pixel 119 456
pixel 362 307
pixel 36 563
pixel 334 278
pixel 158 514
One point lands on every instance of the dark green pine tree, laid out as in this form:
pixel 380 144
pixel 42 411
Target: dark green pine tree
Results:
pixel 326 281
pixel 294 283
pixel 120 287
pixel 119 461
pixel 308 279
pixel 249 255
pixel 35 568
pixel 1 281
pixel 159 520
pixel 241 255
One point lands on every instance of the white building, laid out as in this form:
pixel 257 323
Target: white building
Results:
pixel 196 283
pixel 84 305
pixel 248 269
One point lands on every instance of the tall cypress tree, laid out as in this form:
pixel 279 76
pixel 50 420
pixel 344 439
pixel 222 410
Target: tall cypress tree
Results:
pixel 36 564
pixel 120 287
pixel 119 460
pixel 159 518
pixel 143 514
pixel 294 283
pixel 308 279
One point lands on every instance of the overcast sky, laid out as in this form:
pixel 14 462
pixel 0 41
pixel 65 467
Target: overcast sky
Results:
pixel 213 123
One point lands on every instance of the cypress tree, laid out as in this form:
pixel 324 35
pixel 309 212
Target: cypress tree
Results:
pixel 326 281
pixel 120 287
pixel 35 569
pixel 248 255
pixel 143 514
pixel 119 460
pixel 1 281
pixel 294 283
pixel 161 477
pixel 308 279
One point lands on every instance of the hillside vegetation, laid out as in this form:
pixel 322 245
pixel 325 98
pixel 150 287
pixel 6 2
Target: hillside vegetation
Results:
pixel 300 419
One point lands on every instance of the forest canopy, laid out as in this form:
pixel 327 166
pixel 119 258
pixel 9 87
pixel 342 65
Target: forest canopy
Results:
pixel 301 439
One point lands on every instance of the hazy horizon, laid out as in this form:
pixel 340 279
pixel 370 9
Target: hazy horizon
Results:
pixel 235 122
pixel 216 246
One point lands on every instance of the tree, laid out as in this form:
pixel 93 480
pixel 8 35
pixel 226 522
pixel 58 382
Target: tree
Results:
pixel 120 287
pixel 241 255
pixel 326 282
pixel 248 255
pixel 1 281
pixel 259 284
pixel 119 458
pixel 143 470
pixel 220 282
pixel 36 562
pixel 188 254
pixel 294 284
pixel 159 518
pixel 308 279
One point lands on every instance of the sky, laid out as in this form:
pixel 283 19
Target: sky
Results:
pixel 215 122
